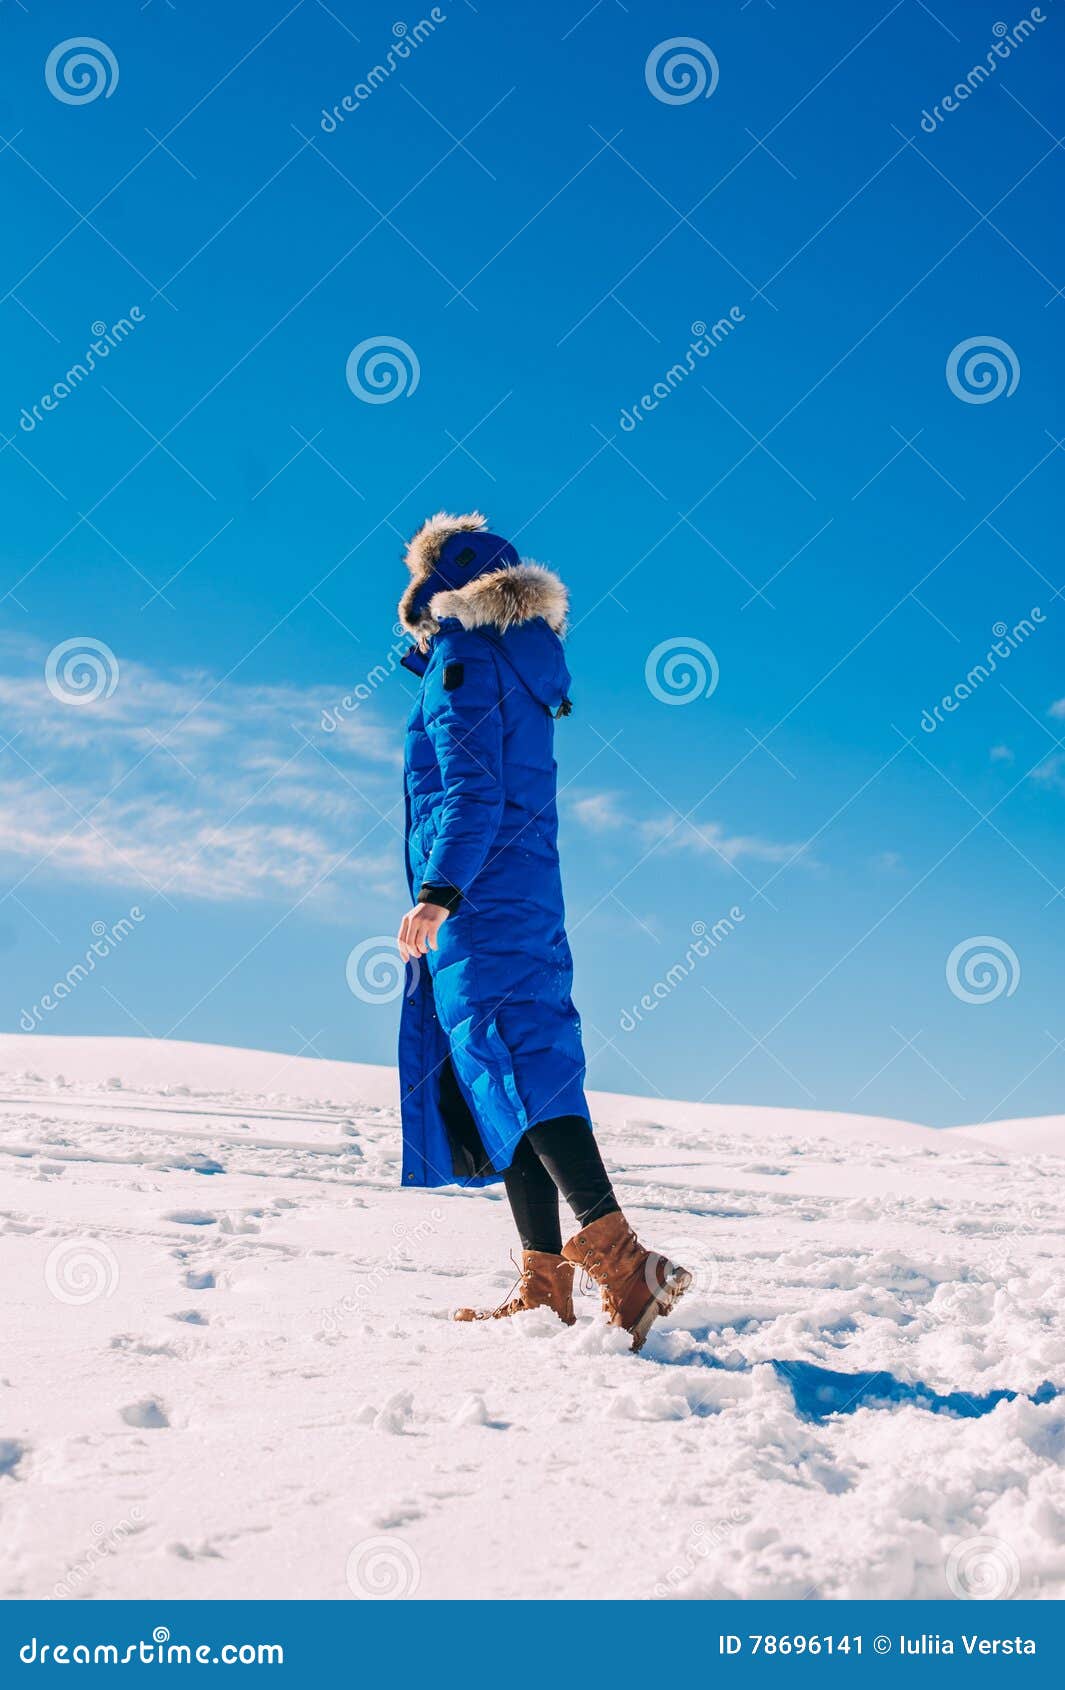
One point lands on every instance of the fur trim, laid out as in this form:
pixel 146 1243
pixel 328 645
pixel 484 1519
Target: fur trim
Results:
pixel 424 550
pixel 497 600
pixel 421 558
pixel 504 598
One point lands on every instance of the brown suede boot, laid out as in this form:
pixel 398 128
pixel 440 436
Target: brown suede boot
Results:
pixel 546 1282
pixel 637 1285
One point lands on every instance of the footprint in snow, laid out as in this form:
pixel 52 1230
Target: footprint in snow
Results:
pixel 131 1345
pixel 199 1279
pixel 148 1414
pixel 194 1551
pixel 191 1317
pixel 403 1514
pixel 194 1163
pixel 50 1170
pixel 191 1217
pixel 241 1223
pixel 11 1453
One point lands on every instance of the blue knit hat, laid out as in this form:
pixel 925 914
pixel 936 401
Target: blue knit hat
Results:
pixel 447 552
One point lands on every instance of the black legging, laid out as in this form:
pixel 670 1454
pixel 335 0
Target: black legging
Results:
pixel 557 1156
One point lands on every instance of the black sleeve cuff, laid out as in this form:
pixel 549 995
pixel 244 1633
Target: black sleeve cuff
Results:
pixel 448 897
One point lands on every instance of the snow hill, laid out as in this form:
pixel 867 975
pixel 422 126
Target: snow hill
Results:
pixel 227 1368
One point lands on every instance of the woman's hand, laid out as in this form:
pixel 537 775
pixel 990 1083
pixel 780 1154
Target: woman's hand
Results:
pixel 419 928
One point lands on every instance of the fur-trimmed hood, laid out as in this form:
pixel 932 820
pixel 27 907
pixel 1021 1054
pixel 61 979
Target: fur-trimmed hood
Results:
pixel 504 598
pixel 480 581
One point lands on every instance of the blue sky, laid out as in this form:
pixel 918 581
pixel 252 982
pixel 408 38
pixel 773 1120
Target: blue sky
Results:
pixel 814 501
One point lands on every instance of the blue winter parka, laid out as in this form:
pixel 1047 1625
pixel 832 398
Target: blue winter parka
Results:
pixel 490 1042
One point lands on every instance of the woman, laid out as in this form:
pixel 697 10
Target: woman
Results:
pixel 491 1062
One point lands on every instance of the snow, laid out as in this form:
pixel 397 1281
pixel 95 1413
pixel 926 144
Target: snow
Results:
pixel 227 1368
pixel 1043 1134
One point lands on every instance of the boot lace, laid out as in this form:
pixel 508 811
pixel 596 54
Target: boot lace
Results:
pixel 594 1275
pixel 518 1286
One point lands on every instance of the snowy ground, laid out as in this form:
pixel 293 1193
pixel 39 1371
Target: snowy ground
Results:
pixel 226 1368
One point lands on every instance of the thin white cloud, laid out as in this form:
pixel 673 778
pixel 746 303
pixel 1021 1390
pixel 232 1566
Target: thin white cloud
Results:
pixel 677 835
pixel 886 862
pixel 605 812
pixel 1052 772
pixel 185 785
pixel 599 811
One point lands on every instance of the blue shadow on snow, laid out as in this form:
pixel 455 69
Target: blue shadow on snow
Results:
pixel 819 1392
